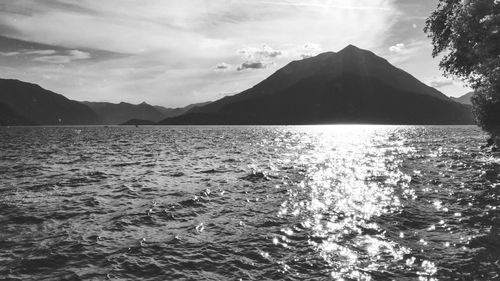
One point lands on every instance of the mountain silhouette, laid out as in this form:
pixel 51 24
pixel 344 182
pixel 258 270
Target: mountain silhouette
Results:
pixel 35 105
pixel 351 86
pixel 118 113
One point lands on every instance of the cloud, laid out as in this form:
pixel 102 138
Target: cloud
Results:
pixel 61 59
pixel 175 47
pixel 262 53
pixel 266 56
pixel 79 55
pixel 397 48
pixel 28 52
pixel 440 82
pixel 40 52
pixel 328 5
pixel 258 57
pixel 253 65
pixel 9 54
pixel 126 27
pixel 222 67
pixel 305 51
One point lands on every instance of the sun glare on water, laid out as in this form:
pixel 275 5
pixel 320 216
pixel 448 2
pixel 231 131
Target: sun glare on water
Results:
pixel 352 177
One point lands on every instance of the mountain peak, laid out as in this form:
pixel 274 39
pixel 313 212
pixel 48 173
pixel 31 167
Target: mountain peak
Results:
pixel 351 46
pixel 351 49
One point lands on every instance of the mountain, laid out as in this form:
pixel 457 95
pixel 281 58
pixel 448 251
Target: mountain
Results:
pixel 118 113
pixel 351 86
pixel 172 112
pixel 9 117
pixel 31 104
pixel 139 122
pixel 465 99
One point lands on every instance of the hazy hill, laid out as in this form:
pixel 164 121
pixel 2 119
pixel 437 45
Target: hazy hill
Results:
pixel 465 99
pixel 124 113
pixel 37 105
pixel 139 122
pixel 351 86
pixel 118 113
pixel 172 112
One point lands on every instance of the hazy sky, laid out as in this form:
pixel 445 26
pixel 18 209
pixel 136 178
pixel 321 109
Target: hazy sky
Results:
pixel 174 53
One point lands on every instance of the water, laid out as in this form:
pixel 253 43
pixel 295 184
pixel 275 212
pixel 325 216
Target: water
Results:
pixel 248 203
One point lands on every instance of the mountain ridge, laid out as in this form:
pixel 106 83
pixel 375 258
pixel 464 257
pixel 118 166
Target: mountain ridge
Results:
pixel 118 113
pixel 349 86
pixel 40 106
pixel 25 103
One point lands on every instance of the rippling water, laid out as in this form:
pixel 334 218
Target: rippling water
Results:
pixel 249 203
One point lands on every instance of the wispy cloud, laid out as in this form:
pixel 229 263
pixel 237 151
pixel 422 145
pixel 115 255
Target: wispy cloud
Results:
pixel 404 52
pixel 306 51
pixel 40 52
pixel 397 48
pixel 441 82
pixel 325 4
pixel 259 53
pixel 9 54
pixel 61 59
pixel 28 52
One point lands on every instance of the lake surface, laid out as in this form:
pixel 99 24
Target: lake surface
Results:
pixel 248 203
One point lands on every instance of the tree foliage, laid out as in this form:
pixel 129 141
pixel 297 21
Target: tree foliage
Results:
pixel 467 34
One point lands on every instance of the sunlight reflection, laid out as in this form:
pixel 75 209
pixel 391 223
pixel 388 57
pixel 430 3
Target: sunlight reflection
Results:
pixel 353 175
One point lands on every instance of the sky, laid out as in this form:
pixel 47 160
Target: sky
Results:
pixel 174 53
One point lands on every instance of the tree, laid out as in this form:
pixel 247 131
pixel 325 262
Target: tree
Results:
pixel 467 34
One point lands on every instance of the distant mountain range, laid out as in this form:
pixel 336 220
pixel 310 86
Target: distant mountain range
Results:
pixel 351 86
pixel 23 103
pixel 143 113
pixel 465 99
pixel 118 113
pixel 172 112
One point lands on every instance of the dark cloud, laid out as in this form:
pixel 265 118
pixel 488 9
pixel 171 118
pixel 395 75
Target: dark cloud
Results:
pixel 252 65
pixel 27 8
pixel 222 66
pixel 258 57
pixel 9 44
pixel 21 52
